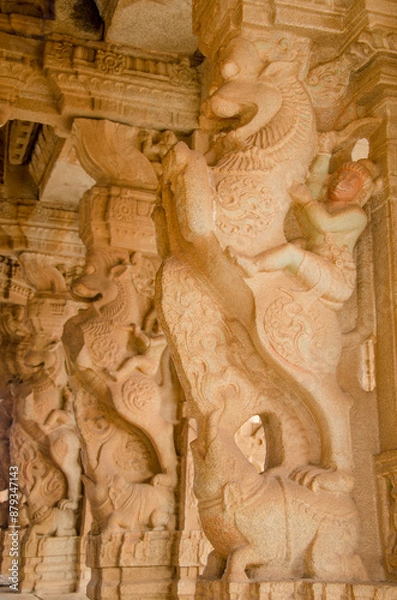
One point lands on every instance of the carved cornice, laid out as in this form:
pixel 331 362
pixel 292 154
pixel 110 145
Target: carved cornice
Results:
pixel 119 217
pixel 57 79
pixel 373 43
pixel 358 29
pixel 13 288
pixel 102 79
pixel 40 227
pixel 217 22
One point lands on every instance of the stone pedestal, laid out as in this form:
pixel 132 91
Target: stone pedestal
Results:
pixel 193 549
pixel 283 590
pixel 50 564
pixel 6 557
pixel 126 566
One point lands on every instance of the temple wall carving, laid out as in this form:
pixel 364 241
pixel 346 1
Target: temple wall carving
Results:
pixel 198 298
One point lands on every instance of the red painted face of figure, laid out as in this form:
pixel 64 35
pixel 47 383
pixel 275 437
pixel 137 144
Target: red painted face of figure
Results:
pixel 345 186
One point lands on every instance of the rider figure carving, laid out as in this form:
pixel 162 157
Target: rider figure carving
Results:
pixel 324 259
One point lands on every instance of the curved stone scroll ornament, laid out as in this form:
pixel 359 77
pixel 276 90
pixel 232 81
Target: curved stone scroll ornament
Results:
pixel 116 162
pixel 252 325
pixel 44 441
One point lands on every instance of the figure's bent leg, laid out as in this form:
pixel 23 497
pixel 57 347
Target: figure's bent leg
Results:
pixel 336 471
pixel 65 452
pixel 165 448
pixel 336 562
pixel 287 256
pixel 237 562
pixel 215 566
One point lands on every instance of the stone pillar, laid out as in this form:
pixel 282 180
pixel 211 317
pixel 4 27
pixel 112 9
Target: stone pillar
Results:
pixel 376 90
pixel 14 339
pixel 39 399
pixel 44 444
pixel 252 317
pixel 126 403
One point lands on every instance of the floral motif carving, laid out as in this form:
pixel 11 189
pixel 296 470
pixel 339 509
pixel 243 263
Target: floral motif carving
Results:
pixel 182 74
pixel 111 62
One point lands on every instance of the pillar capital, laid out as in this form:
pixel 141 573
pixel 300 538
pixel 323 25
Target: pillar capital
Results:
pixel 110 153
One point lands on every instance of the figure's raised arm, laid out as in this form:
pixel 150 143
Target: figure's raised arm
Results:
pixel 350 218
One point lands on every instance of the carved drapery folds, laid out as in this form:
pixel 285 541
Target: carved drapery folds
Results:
pixel 125 404
pixel 251 318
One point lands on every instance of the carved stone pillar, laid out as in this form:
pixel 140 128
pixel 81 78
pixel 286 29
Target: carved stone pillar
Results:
pixel 14 340
pixel 251 314
pixel 44 444
pixel 376 89
pixel 125 405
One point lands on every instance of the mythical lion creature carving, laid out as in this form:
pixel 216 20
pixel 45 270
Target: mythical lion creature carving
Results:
pixel 125 405
pixel 263 341
pixel 45 444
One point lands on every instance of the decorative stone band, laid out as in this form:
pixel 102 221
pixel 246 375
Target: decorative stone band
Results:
pixel 280 590
pixel 50 312
pixel 13 288
pixel 119 217
pixel 55 556
pixel 40 227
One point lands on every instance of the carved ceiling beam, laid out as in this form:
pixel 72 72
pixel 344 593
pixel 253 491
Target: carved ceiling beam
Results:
pixel 39 227
pixel 56 170
pixel 333 25
pixel 21 140
pixel 55 81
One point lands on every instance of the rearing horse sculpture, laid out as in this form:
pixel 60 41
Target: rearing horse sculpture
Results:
pixel 267 344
